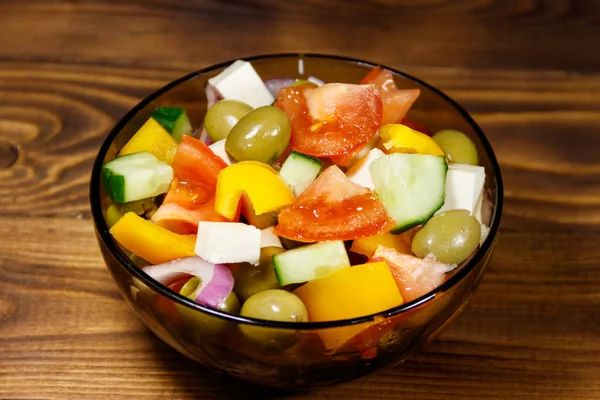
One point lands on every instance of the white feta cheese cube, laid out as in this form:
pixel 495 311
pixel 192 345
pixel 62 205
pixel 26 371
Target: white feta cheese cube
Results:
pixel 268 238
pixel 464 189
pixel 219 149
pixel 359 172
pixel 228 242
pixel 240 82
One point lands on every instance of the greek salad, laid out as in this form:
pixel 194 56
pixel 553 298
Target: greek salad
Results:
pixel 297 200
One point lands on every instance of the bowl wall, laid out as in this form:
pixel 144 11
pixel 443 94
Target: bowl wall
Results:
pixel 298 358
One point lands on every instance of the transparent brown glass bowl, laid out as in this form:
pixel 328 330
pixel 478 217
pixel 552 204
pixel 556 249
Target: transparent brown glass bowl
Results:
pixel 214 338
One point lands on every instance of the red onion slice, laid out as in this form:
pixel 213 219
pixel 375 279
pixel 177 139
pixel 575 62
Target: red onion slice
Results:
pixel 203 137
pixel 216 281
pixel 216 291
pixel 274 85
pixel 212 95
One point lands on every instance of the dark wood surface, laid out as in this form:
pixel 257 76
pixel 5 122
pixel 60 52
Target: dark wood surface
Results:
pixel 528 70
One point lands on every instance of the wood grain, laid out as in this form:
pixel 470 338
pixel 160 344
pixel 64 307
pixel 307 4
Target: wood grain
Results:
pixel 527 70
pixel 516 34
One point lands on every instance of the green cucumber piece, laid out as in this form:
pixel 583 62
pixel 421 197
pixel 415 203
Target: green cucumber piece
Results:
pixel 135 177
pixel 174 120
pixel 310 262
pixel 299 171
pixel 410 186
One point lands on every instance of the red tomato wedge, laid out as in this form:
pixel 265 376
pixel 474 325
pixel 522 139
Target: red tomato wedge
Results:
pixel 333 120
pixel 396 102
pixel 333 208
pixel 184 220
pixel 196 163
pixel 191 195
pixel 188 194
pixel 414 276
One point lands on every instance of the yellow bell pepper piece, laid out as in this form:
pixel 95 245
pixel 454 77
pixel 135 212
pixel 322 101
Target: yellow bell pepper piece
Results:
pixel 152 242
pixel 366 246
pixel 261 183
pixel 154 139
pixel 400 138
pixel 349 293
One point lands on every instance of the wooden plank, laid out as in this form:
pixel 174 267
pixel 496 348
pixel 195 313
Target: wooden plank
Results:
pixel 515 34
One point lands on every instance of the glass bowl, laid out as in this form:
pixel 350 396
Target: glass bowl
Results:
pixel 299 360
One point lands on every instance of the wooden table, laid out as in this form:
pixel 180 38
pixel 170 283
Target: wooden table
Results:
pixel 527 70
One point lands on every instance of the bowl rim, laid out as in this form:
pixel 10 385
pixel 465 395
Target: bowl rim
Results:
pixel 106 238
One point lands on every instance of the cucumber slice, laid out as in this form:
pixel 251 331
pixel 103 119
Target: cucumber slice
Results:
pixel 135 176
pixel 410 186
pixel 310 262
pixel 299 171
pixel 174 120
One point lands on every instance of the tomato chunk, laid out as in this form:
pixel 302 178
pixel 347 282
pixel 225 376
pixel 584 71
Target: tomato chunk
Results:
pixel 188 194
pixel 191 195
pixel 414 276
pixel 184 220
pixel 396 102
pixel 334 120
pixel 195 162
pixel 333 208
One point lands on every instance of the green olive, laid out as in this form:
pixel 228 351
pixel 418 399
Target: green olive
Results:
pixel 274 305
pixel 113 215
pixel 261 135
pixel 251 279
pixel 457 146
pixel 290 244
pixel 230 305
pixel 144 207
pixel 451 236
pixel 199 324
pixel 189 287
pixel 222 116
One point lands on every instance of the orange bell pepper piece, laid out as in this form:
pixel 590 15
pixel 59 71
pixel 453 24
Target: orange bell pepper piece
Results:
pixel 152 242
pixel 262 184
pixel 154 139
pixel 402 139
pixel 349 293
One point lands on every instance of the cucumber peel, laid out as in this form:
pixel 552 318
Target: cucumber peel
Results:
pixel 310 262
pixel 175 120
pixel 135 176
pixel 299 171
pixel 410 186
